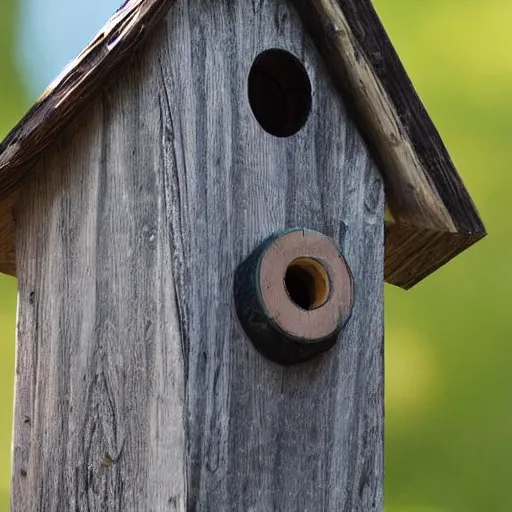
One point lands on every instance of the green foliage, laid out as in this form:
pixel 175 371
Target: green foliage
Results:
pixel 448 351
pixel 4 500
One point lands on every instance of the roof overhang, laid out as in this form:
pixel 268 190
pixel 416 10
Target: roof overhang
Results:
pixel 433 216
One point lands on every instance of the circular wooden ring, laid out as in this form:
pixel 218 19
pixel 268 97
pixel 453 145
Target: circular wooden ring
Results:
pixel 330 283
pixel 293 294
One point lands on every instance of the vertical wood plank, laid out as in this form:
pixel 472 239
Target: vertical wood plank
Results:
pixel 142 390
pixel 99 381
pixel 262 437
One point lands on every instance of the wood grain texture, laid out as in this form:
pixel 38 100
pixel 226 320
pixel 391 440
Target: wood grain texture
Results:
pixel 99 401
pixel 128 342
pixel 424 191
pixel 411 254
pixel 7 234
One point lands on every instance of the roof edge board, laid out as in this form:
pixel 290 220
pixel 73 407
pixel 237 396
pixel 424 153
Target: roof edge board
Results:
pixel 425 195
pixel 76 84
pixel 423 188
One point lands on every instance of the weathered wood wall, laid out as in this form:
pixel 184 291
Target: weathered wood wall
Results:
pixel 136 388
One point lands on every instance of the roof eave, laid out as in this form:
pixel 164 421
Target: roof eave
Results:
pixel 432 211
pixel 71 91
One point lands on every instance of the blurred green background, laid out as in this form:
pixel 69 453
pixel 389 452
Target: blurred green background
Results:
pixel 449 340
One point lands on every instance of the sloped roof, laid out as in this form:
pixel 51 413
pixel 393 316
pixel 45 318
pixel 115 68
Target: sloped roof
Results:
pixel 434 218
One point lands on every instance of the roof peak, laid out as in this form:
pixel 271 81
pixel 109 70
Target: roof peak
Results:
pixel 424 191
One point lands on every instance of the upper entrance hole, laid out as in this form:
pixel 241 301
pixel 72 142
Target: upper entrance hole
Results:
pixel 279 92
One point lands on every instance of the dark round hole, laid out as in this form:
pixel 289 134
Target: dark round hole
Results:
pixel 307 283
pixel 279 92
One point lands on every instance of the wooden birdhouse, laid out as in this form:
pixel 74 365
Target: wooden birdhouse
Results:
pixel 195 213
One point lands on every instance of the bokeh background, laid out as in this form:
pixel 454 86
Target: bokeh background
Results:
pixel 449 340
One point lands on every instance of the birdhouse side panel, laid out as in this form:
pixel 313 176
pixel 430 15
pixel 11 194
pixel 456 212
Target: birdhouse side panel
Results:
pixel 98 421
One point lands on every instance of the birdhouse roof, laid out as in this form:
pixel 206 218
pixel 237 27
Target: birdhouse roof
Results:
pixel 431 217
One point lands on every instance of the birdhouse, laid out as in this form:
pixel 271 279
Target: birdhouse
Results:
pixel 201 212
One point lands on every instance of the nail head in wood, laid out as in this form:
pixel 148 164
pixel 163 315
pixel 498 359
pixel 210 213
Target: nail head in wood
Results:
pixel 293 295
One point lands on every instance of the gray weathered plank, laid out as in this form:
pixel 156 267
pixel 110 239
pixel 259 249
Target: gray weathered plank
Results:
pixel 129 234
pixel 99 379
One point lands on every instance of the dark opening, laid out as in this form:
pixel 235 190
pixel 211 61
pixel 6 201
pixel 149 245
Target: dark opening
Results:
pixel 307 283
pixel 279 92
